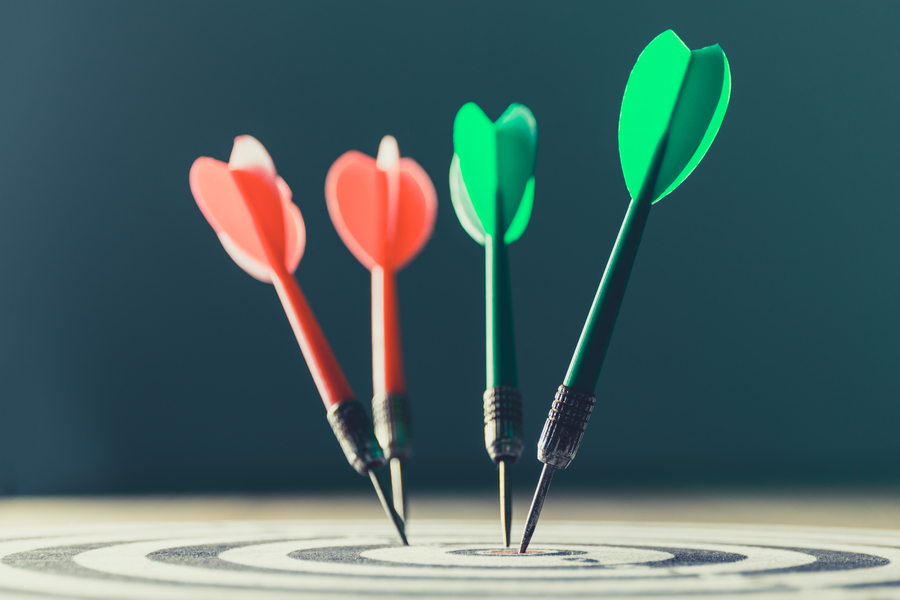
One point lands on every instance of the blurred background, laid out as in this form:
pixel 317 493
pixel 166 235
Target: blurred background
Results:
pixel 758 344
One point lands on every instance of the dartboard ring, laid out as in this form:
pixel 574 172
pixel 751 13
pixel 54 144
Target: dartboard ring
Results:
pixel 449 559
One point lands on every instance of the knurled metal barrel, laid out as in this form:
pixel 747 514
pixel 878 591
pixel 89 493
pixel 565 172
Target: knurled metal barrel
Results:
pixel 564 427
pixel 503 423
pixel 390 414
pixel 353 429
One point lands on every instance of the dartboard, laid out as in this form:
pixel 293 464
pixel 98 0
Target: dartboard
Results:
pixel 446 559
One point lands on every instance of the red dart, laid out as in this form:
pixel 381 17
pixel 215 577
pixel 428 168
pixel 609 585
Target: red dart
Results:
pixel 384 210
pixel 249 207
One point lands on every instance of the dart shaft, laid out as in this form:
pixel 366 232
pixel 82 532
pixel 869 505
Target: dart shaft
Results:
pixel 323 366
pixel 501 352
pixel 502 400
pixel 387 349
pixel 390 408
pixel 584 370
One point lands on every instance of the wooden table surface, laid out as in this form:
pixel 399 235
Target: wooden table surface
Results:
pixel 873 509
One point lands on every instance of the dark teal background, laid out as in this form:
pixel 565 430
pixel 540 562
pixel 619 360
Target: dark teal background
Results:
pixel 758 342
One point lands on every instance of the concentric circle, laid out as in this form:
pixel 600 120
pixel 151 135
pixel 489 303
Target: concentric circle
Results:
pixel 355 559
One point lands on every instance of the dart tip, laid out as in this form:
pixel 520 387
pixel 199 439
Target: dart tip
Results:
pixel 505 506
pixel 523 545
pixel 534 513
pixel 397 488
pixel 388 506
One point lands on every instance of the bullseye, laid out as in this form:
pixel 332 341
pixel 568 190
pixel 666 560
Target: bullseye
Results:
pixel 488 557
pixel 514 553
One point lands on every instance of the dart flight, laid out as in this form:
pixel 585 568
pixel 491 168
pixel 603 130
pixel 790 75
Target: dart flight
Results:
pixel 492 190
pixel 673 106
pixel 384 210
pixel 249 207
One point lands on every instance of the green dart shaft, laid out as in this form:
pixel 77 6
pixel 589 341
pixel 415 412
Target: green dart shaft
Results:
pixel 501 351
pixel 584 370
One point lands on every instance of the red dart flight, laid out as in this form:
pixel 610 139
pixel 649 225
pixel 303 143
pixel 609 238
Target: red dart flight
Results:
pixel 249 207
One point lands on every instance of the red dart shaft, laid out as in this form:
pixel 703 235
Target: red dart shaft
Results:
pixel 387 351
pixel 326 372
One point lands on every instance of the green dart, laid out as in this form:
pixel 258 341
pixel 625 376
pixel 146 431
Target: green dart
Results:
pixel 492 189
pixel 674 104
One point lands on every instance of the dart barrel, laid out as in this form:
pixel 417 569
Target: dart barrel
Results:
pixel 353 429
pixel 390 414
pixel 564 427
pixel 503 423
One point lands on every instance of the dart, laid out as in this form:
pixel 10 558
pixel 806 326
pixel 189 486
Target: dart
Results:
pixel 384 210
pixel 673 106
pixel 492 190
pixel 249 206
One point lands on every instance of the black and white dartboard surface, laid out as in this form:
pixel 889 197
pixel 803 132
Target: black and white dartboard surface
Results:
pixel 446 559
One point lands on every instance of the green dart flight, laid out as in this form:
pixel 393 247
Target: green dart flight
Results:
pixel 492 189
pixel 674 104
